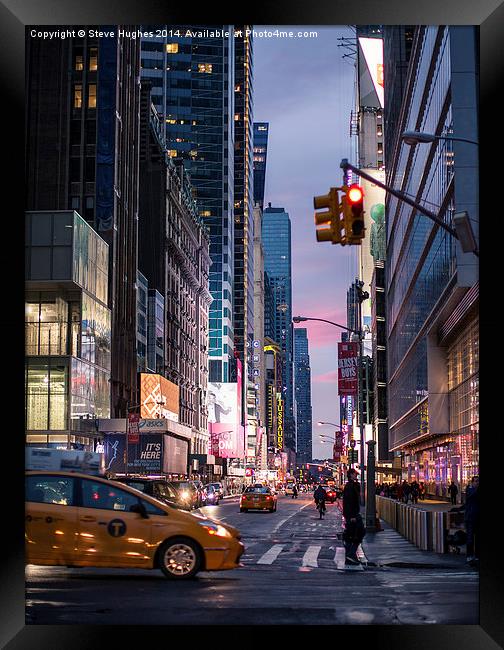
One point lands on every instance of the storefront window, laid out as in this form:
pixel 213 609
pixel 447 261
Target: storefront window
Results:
pixel 46 396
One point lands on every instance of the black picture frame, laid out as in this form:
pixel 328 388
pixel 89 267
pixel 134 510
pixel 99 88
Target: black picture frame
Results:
pixel 15 15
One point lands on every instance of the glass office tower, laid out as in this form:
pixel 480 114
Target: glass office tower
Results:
pixel 302 379
pixel 276 233
pixel 260 155
pixel 193 91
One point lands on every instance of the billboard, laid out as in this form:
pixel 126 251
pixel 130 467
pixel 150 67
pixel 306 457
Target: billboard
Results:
pixel 348 368
pixel 280 422
pixel 372 49
pixel 223 403
pixel 226 440
pixel 155 453
pixel 159 398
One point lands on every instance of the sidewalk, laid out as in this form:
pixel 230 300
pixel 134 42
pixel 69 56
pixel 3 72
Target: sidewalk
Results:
pixel 390 548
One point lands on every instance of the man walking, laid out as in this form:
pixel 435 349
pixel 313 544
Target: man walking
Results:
pixel 453 491
pixel 354 528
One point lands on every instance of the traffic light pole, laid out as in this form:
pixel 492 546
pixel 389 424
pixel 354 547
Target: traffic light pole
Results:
pixel 345 165
pixel 361 407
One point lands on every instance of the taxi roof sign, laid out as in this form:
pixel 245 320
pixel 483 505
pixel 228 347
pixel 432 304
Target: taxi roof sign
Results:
pixel 68 460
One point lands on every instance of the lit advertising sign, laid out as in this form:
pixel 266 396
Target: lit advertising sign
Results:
pixel 271 399
pixel 159 398
pixel 348 364
pixel 223 403
pixel 372 49
pixel 227 441
pixel 280 422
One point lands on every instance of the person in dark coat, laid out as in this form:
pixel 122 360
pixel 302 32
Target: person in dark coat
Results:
pixel 472 517
pixel 354 528
pixel 415 489
pixel 453 491
pixel 294 491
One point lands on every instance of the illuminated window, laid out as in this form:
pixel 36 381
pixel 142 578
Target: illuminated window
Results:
pixel 79 62
pixel 205 213
pixel 93 58
pixel 237 117
pixel 92 96
pixel 171 121
pixel 77 96
pixel 237 88
pixel 172 48
pixel 172 153
pixel 205 67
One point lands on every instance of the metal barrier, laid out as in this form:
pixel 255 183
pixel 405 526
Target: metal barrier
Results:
pixel 424 528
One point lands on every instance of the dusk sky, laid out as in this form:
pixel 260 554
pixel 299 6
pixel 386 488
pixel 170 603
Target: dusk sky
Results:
pixel 305 89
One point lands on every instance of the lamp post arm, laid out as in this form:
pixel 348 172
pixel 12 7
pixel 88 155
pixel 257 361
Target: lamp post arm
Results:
pixel 323 320
pixel 345 165
pixel 450 137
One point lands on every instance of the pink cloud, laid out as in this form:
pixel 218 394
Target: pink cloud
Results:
pixel 327 377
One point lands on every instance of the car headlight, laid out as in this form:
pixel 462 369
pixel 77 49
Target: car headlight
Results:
pixel 185 494
pixel 215 529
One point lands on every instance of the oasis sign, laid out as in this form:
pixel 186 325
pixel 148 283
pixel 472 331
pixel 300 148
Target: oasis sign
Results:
pixel 280 422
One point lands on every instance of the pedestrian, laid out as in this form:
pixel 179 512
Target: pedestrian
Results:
pixel 294 491
pixel 399 492
pixel 354 528
pixel 406 491
pixel 421 492
pixel 415 489
pixel 472 519
pixel 453 491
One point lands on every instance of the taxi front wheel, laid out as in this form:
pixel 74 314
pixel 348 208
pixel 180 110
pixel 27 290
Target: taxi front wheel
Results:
pixel 179 558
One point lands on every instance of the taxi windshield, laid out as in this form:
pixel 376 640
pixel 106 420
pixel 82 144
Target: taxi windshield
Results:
pixel 257 490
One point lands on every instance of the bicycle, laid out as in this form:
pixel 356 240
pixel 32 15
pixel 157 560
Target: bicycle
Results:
pixel 321 508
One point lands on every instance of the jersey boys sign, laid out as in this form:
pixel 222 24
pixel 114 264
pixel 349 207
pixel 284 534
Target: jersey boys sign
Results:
pixel 348 368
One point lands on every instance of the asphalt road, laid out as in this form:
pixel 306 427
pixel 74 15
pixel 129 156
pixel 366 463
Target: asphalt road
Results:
pixel 293 573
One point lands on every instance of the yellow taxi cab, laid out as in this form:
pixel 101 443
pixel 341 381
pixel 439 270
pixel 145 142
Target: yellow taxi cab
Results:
pixel 78 520
pixel 258 497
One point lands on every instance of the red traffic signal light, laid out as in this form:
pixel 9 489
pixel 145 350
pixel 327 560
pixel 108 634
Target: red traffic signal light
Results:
pixel 353 208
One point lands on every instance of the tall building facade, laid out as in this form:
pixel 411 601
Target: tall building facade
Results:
pixel 193 92
pixel 431 285
pixel 67 331
pixel 174 258
pixel 82 132
pixel 302 382
pixel 276 235
pixel 261 130
pixel 243 278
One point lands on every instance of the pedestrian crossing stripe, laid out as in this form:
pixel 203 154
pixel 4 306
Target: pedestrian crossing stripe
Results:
pixel 309 559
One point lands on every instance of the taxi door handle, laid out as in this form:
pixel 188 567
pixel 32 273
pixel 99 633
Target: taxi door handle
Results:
pixel 88 518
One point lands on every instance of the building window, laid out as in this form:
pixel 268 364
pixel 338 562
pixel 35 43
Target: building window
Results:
pixel 205 67
pixel 77 102
pixel 79 62
pixel 172 153
pixel 172 48
pixel 92 96
pixel 93 59
pixel 46 403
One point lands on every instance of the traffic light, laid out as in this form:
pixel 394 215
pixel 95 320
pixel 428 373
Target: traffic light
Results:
pixel 331 217
pixel 353 214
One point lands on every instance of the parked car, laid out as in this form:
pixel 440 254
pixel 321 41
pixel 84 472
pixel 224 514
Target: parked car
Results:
pixel 201 493
pixel 157 488
pixel 258 498
pixel 212 495
pixel 78 520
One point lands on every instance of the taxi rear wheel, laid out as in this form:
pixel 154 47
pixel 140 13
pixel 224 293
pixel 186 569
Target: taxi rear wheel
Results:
pixel 179 558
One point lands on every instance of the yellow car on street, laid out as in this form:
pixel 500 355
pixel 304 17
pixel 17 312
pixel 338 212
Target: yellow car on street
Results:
pixel 258 498
pixel 78 520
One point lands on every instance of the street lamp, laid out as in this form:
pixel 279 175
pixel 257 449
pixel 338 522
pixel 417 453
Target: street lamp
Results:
pixel 417 137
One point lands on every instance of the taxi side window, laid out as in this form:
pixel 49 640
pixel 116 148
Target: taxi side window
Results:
pixel 152 509
pixel 50 489
pixel 106 497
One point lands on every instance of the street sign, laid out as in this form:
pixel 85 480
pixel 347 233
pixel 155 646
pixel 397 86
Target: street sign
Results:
pixel 133 430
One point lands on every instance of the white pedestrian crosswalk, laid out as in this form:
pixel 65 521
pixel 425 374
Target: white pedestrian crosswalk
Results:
pixel 314 556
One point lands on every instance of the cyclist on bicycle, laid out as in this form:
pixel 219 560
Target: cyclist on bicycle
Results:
pixel 320 496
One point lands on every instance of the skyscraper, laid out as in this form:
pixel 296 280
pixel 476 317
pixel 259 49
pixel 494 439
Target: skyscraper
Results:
pixel 82 154
pixel 276 233
pixel 193 92
pixel 261 130
pixel 302 383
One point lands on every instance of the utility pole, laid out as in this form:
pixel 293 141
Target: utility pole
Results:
pixel 361 296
